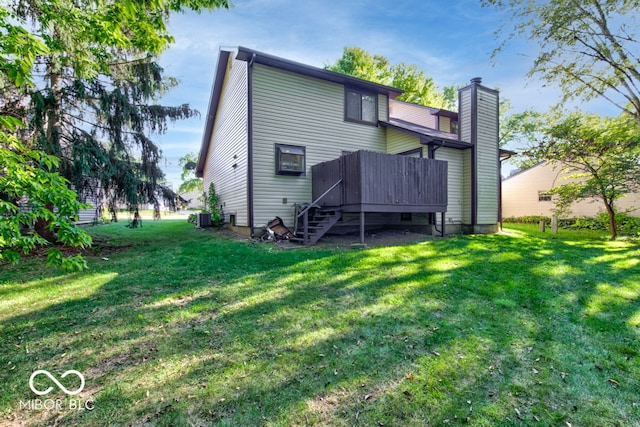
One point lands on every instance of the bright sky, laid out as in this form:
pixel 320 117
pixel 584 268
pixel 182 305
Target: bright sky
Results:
pixel 452 41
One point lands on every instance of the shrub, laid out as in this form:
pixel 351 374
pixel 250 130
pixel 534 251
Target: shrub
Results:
pixel 533 219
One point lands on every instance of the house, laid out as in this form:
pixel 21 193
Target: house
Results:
pixel 525 193
pixel 274 126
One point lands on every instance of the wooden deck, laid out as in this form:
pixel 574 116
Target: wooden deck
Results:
pixel 379 182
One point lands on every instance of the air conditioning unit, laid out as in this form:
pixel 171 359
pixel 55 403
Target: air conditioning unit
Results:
pixel 204 220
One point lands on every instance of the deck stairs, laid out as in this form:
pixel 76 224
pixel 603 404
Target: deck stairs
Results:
pixel 315 223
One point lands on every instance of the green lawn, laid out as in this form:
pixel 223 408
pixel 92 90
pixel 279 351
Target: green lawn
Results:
pixel 180 326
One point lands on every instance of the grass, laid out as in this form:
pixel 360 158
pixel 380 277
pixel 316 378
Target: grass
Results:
pixel 180 326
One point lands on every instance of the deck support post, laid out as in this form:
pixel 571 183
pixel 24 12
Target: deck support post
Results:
pixel 442 222
pixel 362 227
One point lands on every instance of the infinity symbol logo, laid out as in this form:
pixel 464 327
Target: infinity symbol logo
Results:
pixel 60 386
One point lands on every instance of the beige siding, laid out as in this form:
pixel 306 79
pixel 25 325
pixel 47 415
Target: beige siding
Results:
pixel 400 142
pixel 466 186
pixel 455 188
pixel 465 115
pixel 298 110
pixel 520 195
pixel 383 107
pixel 417 114
pixel 229 145
pixel 444 124
pixel 487 157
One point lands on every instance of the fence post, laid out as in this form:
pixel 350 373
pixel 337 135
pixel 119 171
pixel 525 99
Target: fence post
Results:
pixel 542 224
pixel 554 224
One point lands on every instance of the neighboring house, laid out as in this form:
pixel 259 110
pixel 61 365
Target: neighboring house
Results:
pixel 525 193
pixel 192 200
pixel 273 124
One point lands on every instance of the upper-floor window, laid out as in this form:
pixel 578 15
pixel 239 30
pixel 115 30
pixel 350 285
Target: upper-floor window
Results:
pixel 360 106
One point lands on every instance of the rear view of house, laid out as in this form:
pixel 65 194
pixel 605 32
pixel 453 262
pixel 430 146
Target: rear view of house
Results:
pixel 282 137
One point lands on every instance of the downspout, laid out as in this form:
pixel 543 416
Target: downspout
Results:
pixel 250 143
pixel 500 189
pixel 474 151
pixel 432 155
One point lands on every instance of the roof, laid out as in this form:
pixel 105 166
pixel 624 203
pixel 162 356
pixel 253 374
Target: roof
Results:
pixel 253 56
pixel 245 54
pixel 431 135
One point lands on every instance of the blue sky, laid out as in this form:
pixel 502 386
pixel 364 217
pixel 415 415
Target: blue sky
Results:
pixel 452 41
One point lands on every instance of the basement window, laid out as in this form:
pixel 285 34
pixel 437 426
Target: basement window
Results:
pixel 290 160
pixel 544 196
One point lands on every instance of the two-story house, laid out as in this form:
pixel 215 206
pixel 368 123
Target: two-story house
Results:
pixel 273 124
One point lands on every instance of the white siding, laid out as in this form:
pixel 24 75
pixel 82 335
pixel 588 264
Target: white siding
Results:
pixel 487 157
pixel 229 145
pixel 298 110
pixel 455 177
pixel 413 113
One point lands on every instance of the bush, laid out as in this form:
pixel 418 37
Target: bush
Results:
pixel 534 219
pixel 627 225
pixel 192 218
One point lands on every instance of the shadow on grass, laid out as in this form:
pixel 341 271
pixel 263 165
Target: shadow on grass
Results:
pixel 478 329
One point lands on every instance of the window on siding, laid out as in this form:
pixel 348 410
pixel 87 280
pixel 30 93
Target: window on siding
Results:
pixel 290 160
pixel 360 106
pixel 544 196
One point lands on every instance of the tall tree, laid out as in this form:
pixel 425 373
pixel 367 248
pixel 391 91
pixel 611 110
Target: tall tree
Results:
pixel 589 48
pixel 26 174
pixel 601 155
pixel 417 86
pixel 89 113
pixel 96 105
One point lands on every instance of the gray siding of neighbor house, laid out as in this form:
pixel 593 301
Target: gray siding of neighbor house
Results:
pixel 487 156
pixel 229 145
pixel 294 109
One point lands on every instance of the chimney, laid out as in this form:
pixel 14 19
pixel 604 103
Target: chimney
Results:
pixel 478 125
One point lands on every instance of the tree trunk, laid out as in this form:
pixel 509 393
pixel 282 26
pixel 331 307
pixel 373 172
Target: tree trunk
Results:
pixel 612 221
pixel 41 227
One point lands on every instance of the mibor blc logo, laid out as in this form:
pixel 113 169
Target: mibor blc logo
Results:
pixel 60 405
pixel 56 382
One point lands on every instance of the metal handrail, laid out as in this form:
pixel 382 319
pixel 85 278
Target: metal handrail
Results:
pixel 318 199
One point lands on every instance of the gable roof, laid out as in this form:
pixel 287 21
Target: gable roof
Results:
pixel 245 54
pixel 253 56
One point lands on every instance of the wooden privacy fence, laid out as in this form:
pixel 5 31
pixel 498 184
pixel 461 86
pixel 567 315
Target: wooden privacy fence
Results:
pixel 379 182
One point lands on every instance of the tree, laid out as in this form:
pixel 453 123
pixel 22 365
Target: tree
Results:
pixel 26 174
pixel 601 154
pixel 589 48
pixel 417 87
pixel 88 116
pixel 190 182
pixel 95 107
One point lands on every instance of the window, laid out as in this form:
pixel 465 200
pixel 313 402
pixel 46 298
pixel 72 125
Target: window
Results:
pixel 290 160
pixel 360 106
pixel 543 196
